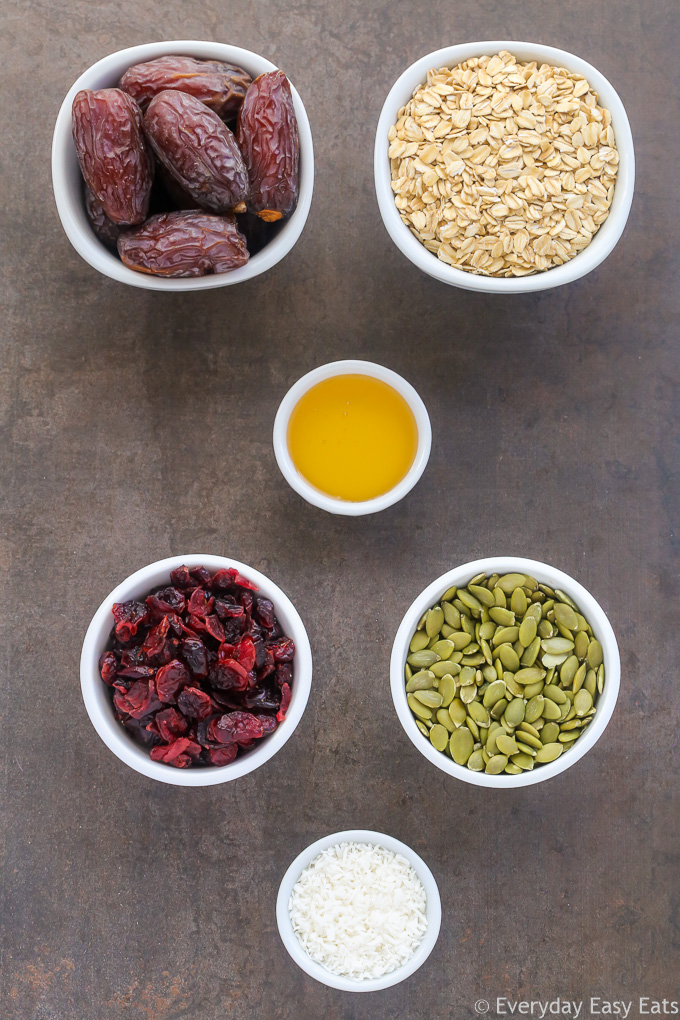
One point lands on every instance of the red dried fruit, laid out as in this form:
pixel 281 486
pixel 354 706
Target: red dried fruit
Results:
pixel 195 704
pixel 212 681
pixel 112 152
pixel 179 753
pixel 171 679
pixel 200 604
pixel 105 229
pixel 222 755
pixel 195 655
pixel 169 724
pixel 184 244
pixel 236 726
pixel 283 651
pixel 218 85
pixel 268 137
pixel 286 695
pixel 108 667
pixel 198 150
pixel 128 616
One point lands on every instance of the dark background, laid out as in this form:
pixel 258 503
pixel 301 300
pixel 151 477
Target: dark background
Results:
pixel 138 425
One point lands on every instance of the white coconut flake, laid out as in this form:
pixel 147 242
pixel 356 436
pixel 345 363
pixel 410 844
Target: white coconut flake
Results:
pixel 359 910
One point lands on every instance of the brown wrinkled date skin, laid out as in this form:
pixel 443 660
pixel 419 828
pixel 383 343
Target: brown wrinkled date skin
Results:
pixel 200 670
pixel 184 244
pixel 112 152
pixel 267 135
pixel 216 84
pixel 106 230
pixel 198 150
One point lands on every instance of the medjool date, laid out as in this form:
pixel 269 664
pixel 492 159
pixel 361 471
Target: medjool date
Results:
pixel 184 244
pixel 112 152
pixel 267 135
pixel 198 700
pixel 198 150
pixel 106 230
pixel 219 85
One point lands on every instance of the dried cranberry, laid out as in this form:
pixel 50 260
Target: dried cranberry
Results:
pixel 154 642
pixel 263 699
pixel 195 704
pixel 229 675
pixel 170 724
pixel 214 627
pixel 247 601
pixel 171 679
pixel 137 672
pixel 195 656
pixel 132 657
pixel 139 731
pixel 284 674
pixel 167 600
pixel 200 575
pixel 139 701
pixel 222 755
pixel 236 726
pixel 245 652
pixel 283 651
pixel 285 702
pixel 264 610
pixel 129 616
pixel 226 610
pixel 269 723
pixel 108 667
pixel 179 753
pixel 200 604
pixel 181 578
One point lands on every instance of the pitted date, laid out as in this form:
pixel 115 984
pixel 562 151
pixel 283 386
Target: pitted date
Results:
pixel 198 150
pixel 113 154
pixel 218 85
pixel 184 244
pixel 268 138
pixel 105 229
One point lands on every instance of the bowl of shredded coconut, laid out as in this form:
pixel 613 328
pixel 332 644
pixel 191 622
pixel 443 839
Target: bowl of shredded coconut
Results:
pixel 359 911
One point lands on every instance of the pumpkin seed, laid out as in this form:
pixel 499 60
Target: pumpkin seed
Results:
pixel 527 631
pixel 509 657
pixel 431 699
pixel 506 634
pixel 531 690
pixel 583 702
pixel 503 617
pixel 581 643
pixel 421 681
pixel 534 708
pixel 476 760
pixel 473 728
pixel 549 733
pixel 518 602
pixel 512 769
pixel 469 600
pixel 506 745
pixel 462 745
pixel 566 739
pixel 595 654
pixel 526 749
pixel 512 685
pixel 514 713
pixel 444 666
pixel 526 727
pixel 573 724
pixel 419 641
pixel 508 582
pixel 549 752
pixel 418 709
pixel 449 594
pixel 500 598
pixel 496 765
pixel 551 691
pixel 458 712
pixel 530 740
pixel 550 709
pixel 434 621
pixel 460 640
pixel 482 594
pixel 439 737
pixel 494 692
pixel 568 670
pixel 545 629
pixel 531 654
pixel 423 659
pixel 551 661
pixel 468 694
pixel 499 708
pixel 579 677
pixel 600 679
pixel 478 713
pixel 529 675
pixel 447 689
pixel 565 616
pixel 451 615
pixel 523 761
pixel 557 645
pixel 443 648
pixel 423 728
pixel 444 719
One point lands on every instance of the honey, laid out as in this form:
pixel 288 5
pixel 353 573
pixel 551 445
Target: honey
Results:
pixel 352 437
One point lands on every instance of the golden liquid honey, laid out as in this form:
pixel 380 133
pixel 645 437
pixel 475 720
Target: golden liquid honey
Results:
pixel 352 437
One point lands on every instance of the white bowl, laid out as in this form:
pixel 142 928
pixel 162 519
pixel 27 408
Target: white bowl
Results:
pixel 68 184
pixel 292 943
pixel 545 574
pixel 320 499
pixel 97 697
pixel 603 241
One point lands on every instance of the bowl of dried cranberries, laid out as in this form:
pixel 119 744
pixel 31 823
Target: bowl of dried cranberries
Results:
pixel 181 166
pixel 196 670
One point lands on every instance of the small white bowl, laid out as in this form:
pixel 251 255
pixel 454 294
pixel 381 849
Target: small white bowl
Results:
pixel 606 237
pixel 320 499
pixel 316 970
pixel 68 184
pixel 97 697
pixel 545 574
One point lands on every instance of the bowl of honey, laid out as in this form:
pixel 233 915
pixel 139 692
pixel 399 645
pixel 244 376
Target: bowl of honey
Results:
pixel 352 437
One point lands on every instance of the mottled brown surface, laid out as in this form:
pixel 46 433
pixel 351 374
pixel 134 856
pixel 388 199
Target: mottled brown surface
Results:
pixel 136 425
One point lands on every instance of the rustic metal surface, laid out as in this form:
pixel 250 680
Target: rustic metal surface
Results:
pixel 137 425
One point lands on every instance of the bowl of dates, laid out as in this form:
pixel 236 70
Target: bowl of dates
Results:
pixel 182 165
pixel 196 670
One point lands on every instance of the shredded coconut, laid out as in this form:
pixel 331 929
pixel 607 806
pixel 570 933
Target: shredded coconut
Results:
pixel 359 910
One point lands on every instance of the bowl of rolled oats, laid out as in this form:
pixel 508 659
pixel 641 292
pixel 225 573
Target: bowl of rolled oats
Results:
pixel 504 167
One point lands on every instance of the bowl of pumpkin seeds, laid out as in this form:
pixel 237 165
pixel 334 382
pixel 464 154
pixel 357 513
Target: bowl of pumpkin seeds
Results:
pixel 504 672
